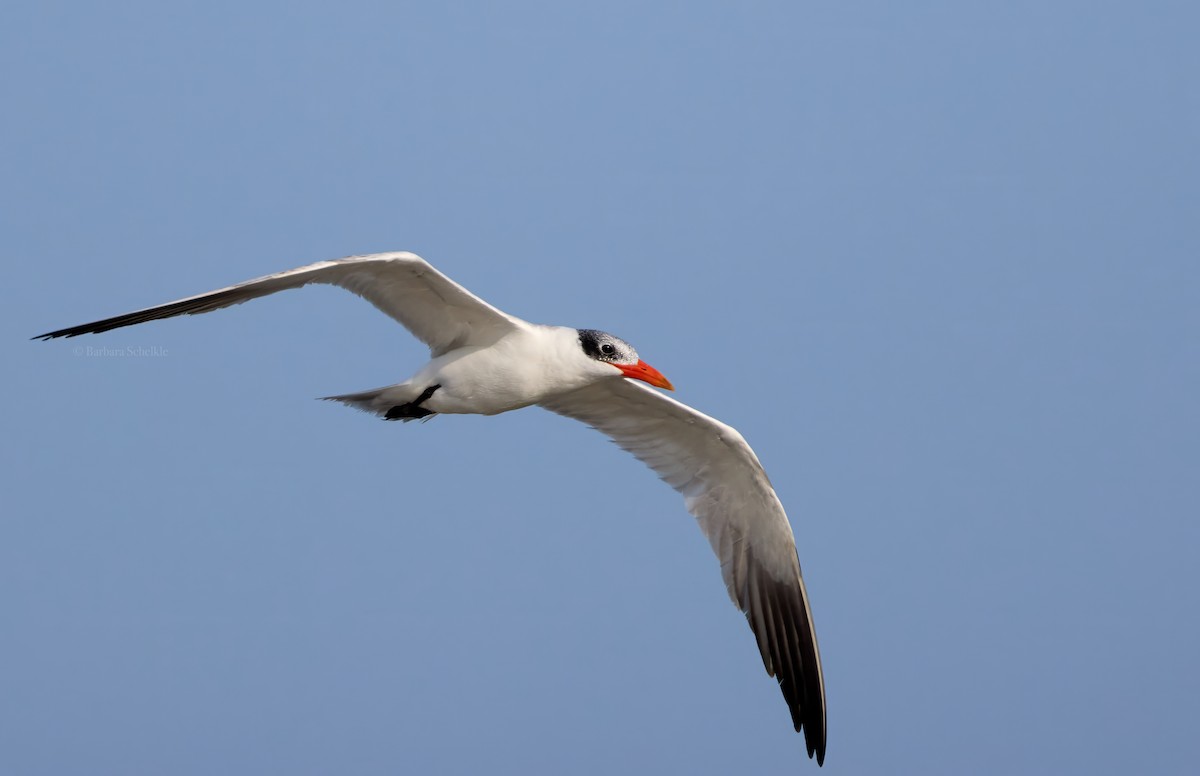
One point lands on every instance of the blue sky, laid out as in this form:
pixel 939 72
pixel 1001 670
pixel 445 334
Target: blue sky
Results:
pixel 937 261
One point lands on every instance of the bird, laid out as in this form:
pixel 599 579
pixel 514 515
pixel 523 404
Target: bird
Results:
pixel 485 361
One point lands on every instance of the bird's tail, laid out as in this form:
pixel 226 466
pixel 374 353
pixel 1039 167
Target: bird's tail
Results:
pixel 392 402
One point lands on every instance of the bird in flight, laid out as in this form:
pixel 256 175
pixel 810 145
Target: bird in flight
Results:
pixel 485 361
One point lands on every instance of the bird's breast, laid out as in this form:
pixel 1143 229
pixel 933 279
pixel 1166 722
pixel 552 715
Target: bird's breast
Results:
pixel 512 373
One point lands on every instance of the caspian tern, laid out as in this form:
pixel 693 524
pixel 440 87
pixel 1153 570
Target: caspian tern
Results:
pixel 485 361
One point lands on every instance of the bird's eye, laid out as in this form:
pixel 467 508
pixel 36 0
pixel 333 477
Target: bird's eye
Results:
pixel 608 349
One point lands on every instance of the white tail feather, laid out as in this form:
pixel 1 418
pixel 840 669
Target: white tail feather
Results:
pixel 379 400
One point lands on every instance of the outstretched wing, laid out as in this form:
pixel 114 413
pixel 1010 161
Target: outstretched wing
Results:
pixel 438 311
pixel 725 488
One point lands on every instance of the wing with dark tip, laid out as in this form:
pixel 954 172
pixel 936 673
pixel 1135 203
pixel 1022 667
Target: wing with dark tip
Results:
pixel 725 488
pixel 438 311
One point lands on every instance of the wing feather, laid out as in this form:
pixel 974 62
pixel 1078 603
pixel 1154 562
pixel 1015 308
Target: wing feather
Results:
pixel 438 311
pixel 727 491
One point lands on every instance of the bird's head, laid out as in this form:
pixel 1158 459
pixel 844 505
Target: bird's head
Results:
pixel 604 348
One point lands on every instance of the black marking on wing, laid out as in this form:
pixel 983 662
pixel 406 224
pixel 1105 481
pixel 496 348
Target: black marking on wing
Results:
pixel 205 304
pixel 775 611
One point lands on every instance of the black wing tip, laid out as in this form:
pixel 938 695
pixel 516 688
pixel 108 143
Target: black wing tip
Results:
pixel 57 334
pixel 814 735
pixel 816 748
pixel 190 306
pixel 75 331
pixel 778 614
